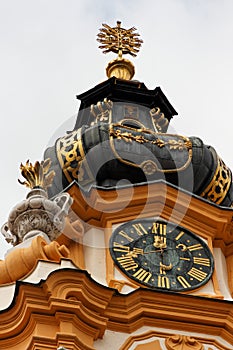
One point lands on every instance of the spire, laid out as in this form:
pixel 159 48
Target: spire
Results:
pixel 120 41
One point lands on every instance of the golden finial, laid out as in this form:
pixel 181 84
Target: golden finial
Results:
pixel 37 175
pixel 121 41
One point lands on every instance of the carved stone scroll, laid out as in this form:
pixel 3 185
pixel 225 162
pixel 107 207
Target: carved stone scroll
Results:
pixel 183 342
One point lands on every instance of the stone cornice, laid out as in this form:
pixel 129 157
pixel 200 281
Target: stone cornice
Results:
pixel 70 302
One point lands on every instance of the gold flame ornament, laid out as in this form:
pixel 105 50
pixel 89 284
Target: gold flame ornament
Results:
pixel 121 41
pixel 37 175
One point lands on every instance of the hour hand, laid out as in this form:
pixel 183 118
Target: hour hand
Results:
pixel 155 251
pixel 138 251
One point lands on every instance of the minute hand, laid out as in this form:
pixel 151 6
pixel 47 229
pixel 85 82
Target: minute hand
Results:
pixel 154 251
pixel 161 250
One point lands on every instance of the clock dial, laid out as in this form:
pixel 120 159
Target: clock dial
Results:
pixel 161 255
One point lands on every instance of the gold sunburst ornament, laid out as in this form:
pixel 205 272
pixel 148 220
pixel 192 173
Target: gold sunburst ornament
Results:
pixel 121 41
pixel 37 175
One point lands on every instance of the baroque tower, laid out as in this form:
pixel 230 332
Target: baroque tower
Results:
pixel 125 238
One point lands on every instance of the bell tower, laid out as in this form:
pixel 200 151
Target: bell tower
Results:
pixel 125 238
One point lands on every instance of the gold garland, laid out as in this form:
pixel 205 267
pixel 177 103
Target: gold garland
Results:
pixel 173 144
pixel 70 151
pixel 149 167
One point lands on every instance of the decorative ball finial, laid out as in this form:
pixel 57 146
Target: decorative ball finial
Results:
pixel 121 41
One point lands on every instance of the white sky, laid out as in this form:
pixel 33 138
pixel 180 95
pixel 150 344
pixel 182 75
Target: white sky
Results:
pixel 49 54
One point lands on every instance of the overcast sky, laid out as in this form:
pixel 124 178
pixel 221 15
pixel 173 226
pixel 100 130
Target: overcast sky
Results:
pixel 49 54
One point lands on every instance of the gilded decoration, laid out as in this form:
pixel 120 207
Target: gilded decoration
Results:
pixel 179 145
pixel 219 185
pixel 77 164
pixel 149 167
pixel 71 157
pixel 173 143
pixel 101 111
pixel 183 342
pixel 37 175
pixel 120 41
pixel 159 120
pixel 112 135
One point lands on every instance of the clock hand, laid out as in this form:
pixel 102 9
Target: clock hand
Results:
pixel 161 250
pixel 154 251
pixel 138 251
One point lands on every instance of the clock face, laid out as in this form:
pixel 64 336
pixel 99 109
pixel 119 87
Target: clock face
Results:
pixel 161 255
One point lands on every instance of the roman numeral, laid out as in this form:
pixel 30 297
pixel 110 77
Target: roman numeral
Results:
pixel 138 251
pixel 140 229
pixel 117 247
pixel 163 281
pixel 179 235
pixel 127 262
pixel 186 259
pixel 159 228
pixel 201 261
pixel 125 235
pixel 195 247
pixel 183 282
pixel 197 274
pixel 142 275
